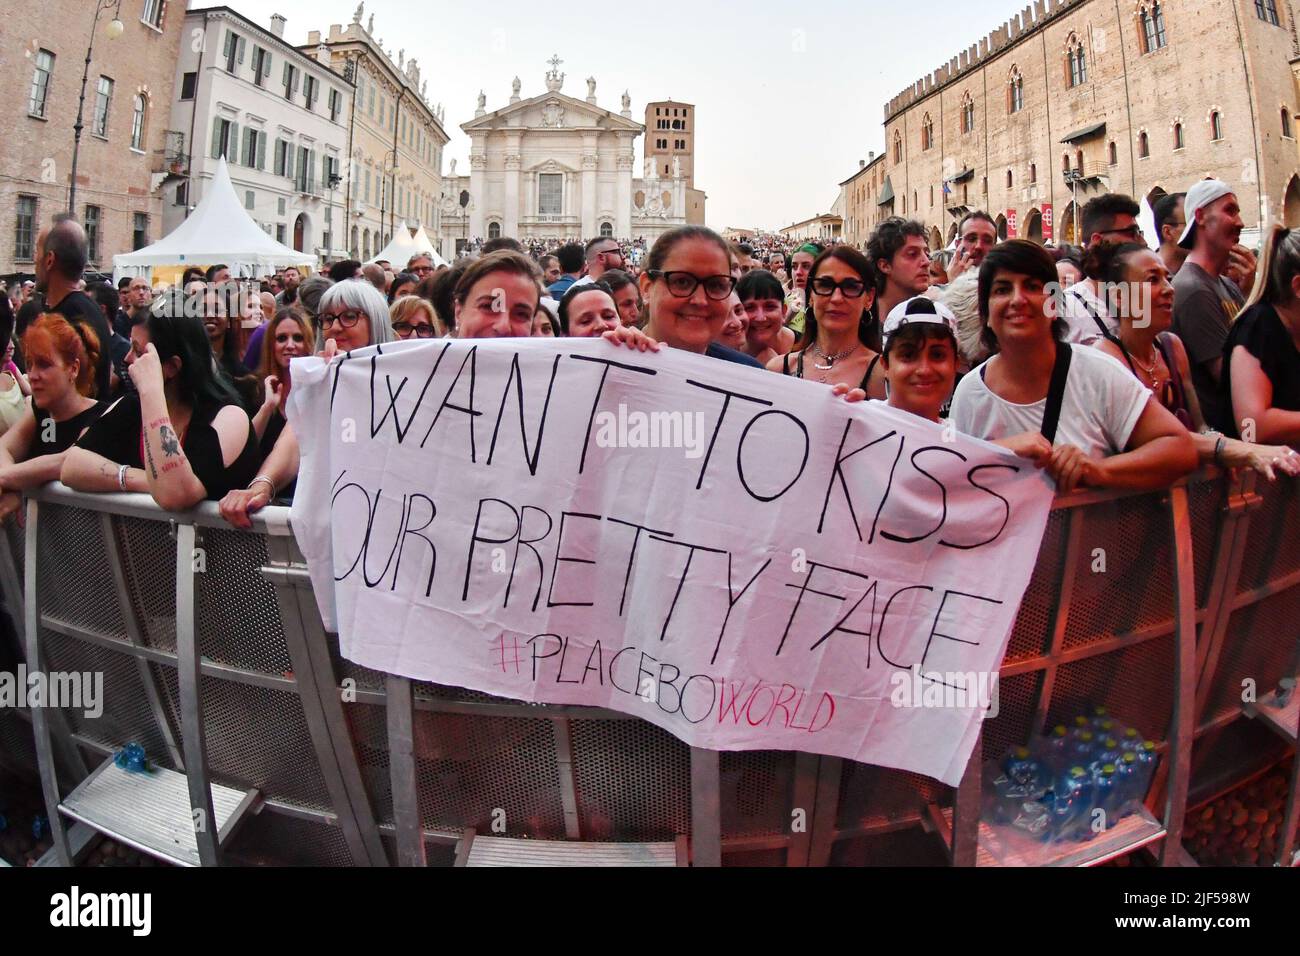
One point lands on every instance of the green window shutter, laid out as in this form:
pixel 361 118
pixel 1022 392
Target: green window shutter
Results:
pixel 325 171
pixel 261 151
pixel 243 146
pixel 240 54
pixel 288 160
pixel 232 150
pixel 216 137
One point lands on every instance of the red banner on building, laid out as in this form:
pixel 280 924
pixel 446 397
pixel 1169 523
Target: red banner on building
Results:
pixel 1011 224
pixel 1047 222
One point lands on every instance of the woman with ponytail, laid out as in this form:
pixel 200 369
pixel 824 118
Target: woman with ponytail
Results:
pixel 61 363
pixel 1261 377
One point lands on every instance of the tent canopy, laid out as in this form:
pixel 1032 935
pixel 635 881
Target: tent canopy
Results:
pixel 422 240
pixel 399 249
pixel 218 231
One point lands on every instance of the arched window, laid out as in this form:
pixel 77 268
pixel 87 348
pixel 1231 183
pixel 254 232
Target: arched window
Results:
pixel 1076 63
pixel 137 121
pixel 927 132
pixel 1178 136
pixel 494 230
pixel 1033 172
pixel 1151 21
pixel 1144 145
pixel 1009 179
pixel 354 248
pixel 1113 154
pixel 606 230
pixel 967 114
pixel 1016 92
pixel 365 245
pixel 898 146
pixel 1216 125
pixel 1065 163
pixel 1286 122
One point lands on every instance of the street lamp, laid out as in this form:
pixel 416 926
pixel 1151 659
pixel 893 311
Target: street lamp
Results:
pixel 1072 176
pixel 114 30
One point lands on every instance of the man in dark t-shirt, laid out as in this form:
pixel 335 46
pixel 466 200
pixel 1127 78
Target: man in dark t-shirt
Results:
pixel 61 252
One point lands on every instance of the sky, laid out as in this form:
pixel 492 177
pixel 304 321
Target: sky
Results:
pixel 788 96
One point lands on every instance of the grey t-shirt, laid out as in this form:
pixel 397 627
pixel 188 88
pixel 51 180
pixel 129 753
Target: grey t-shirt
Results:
pixel 1204 307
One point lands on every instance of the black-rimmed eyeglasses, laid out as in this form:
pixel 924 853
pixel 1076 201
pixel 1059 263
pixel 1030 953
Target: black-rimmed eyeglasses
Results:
pixel 683 284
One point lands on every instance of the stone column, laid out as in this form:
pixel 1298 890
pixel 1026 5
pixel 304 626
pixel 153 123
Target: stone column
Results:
pixel 510 222
pixel 626 159
pixel 589 162
pixel 478 187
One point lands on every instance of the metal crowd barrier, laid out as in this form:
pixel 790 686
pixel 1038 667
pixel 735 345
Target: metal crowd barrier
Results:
pixel 215 661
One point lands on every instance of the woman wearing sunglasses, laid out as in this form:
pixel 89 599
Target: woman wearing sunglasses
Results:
pixel 687 288
pixel 352 315
pixel 1157 358
pixel 413 318
pixel 833 351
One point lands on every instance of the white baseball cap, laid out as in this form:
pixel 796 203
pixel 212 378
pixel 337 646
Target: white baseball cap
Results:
pixel 919 309
pixel 1198 197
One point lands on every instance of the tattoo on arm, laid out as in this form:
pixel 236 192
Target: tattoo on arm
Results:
pixel 171 446
pixel 148 454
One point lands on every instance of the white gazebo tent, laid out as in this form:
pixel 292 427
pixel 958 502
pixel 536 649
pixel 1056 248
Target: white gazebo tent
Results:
pixel 399 249
pixel 218 231
pixel 422 240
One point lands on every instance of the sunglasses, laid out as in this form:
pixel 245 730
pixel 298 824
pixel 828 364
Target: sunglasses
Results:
pixel 852 288
pixel 422 331
pixel 1133 232
pixel 284 337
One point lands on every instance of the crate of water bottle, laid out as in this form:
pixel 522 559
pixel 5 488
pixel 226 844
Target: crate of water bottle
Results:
pixel 1093 741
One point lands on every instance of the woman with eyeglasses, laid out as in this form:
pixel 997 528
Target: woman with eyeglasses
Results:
pixel 352 315
pixel 183 436
pixel 1158 360
pixel 289 337
pixel 413 318
pixel 687 287
pixel 1070 409
pixel 833 350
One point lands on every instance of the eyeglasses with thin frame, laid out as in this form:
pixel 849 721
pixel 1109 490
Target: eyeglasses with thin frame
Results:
pixel 852 288
pixel 421 331
pixel 683 284
pixel 347 319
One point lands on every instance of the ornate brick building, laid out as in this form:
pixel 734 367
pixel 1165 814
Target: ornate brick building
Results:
pixel 1072 98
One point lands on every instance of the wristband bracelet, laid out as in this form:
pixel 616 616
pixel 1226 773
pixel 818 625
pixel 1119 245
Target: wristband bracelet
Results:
pixel 121 477
pixel 1218 450
pixel 263 478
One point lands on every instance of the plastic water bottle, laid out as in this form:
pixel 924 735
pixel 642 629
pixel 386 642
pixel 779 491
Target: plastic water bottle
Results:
pixel 1071 798
pixel 1107 751
pixel 1082 747
pixel 1020 765
pixel 1104 793
pixel 1147 757
pixel 1130 739
pixel 1105 727
pixel 1129 792
pixel 1053 749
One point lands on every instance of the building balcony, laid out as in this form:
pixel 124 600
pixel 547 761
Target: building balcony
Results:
pixel 1089 174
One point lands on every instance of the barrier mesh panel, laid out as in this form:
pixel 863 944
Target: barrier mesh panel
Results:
pixel 468 767
pixel 368 724
pixel 1135 684
pixel 1012 727
pixel 1261 645
pixel 127 716
pixel 16 538
pixel 633 780
pixel 17 747
pixel 275 839
pixel 74 585
pixel 236 611
pixel 1273 547
pixel 257 737
pixel 1136 589
pixel 1033 628
pixel 149 561
pixel 1206 501
pixel 757 792
pixel 873 796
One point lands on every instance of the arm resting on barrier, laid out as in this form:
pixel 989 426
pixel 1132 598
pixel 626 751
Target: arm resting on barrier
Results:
pixel 1252 400
pixel 1159 452
pixel 86 471
pixel 281 467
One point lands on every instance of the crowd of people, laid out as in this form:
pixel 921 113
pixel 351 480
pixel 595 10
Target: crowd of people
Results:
pixel 1111 365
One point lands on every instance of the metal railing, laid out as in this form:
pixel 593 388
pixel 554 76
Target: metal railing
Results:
pixel 216 662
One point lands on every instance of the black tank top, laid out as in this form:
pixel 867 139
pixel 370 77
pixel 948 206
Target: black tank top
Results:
pixel 798 372
pixel 64 434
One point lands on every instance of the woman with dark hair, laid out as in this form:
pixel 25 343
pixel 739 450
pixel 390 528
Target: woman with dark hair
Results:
pixel 627 297
pixel 225 348
pixel 734 330
pixel 1141 297
pixel 440 289
pixel 61 362
pixel 920 357
pixel 1261 368
pixel 687 285
pixel 801 263
pixel 183 436
pixel 404 283
pixel 1070 409
pixel 587 311
pixel 763 297
pixel 841 290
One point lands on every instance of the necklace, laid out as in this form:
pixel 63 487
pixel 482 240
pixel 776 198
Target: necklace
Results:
pixel 831 359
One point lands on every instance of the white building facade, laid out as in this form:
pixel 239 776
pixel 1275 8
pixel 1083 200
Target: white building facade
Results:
pixel 279 117
pixel 555 167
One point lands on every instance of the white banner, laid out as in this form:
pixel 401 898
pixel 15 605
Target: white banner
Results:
pixel 736 556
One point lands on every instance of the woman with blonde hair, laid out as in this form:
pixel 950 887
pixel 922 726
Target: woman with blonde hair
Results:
pixel 413 318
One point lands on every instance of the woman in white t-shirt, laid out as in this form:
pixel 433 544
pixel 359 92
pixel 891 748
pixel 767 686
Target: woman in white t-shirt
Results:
pixel 1108 433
